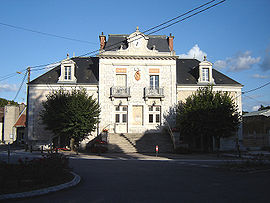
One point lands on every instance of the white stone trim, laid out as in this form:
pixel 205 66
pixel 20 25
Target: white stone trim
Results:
pixel 65 86
pixel 205 65
pixel 67 63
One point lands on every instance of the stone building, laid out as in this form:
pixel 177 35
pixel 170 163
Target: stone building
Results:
pixel 256 129
pixel 9 115
pixel 137 80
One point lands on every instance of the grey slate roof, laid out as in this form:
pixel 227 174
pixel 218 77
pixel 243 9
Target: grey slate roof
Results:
pixel 86 71
pixel 114 42
pixel 187 73
pixel 265 112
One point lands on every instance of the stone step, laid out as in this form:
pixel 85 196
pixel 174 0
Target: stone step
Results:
pixel 139 142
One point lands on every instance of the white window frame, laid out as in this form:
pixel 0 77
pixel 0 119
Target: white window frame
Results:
pixel 205 74
pixel 155 113
pixel 154 81
pixel 122 113
pixel 67 73
pixel 125 78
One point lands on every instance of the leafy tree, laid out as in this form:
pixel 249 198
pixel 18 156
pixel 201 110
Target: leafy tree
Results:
pixel 4 102
pixel 244 112
pixel 206 115
pixel 70 114
pixel 263 108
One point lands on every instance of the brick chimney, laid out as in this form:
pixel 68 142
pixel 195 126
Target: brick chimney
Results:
pixel 170 41
pixel 102 39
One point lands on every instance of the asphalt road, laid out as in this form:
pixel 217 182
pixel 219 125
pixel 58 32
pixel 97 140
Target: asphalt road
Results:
pixel 159 181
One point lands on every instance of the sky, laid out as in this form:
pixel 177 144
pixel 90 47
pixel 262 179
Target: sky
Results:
pixel 235 37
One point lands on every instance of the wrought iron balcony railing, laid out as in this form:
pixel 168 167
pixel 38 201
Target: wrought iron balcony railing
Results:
pixel 117 91
pixel 154 92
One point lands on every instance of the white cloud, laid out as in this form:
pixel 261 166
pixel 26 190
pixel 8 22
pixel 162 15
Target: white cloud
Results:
pixel 220 64
pixel 239 62
pixel 260 76
pixel 8 88
pixel 255 108
pixel 194 52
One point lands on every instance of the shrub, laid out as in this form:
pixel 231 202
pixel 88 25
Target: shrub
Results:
pixel 36 172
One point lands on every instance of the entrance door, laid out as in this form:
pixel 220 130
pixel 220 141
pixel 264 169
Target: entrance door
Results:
pixel 137 118
pixel 121 119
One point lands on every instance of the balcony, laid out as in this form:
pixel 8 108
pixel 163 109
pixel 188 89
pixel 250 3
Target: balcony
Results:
pixel 153 92
pixel 120 91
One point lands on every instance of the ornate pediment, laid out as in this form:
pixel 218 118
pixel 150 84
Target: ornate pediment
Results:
pixel 137 46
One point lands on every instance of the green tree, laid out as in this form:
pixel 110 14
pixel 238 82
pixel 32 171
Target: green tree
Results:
pixel 263 108
pixel 70 114
pixel 4 102
pixel 206 115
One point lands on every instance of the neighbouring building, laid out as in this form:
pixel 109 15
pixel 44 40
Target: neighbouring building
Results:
pixel 137 80
pixel 256 129
pixel 1 123
pixel 9 115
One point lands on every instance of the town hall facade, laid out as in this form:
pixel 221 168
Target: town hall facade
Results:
pixel 137 80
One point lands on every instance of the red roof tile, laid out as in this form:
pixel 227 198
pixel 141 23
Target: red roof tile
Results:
pixel 21 121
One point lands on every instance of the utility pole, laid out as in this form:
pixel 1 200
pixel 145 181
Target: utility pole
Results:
pixel 28 72
pixel 27 109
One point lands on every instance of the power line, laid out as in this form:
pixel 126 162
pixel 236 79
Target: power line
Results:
pixel 2 78
pixel 20 86
pixel 187 17
pixel 113 45
pixel 255 99
pixel 46 34
pixel 178 16
pixel 252 90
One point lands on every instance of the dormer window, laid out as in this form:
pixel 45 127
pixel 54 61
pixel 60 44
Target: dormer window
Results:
pixel 205 73
pixel 67 74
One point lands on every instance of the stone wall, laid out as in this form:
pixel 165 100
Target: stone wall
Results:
pixel 11 114
pixel 183 92
pixel 37 94
pixel 167 80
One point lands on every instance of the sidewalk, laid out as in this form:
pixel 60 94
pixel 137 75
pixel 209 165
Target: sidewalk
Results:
pixel 145 156
pixel 249 154
pixel 20 153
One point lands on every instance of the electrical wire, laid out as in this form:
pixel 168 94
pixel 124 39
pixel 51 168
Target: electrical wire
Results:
pixel 255 100
pixel 12 73
pixel 2 78
pixel 252 90
pixel 113 45
pixel 178 16
pixel 187 17
pixel 20 86
pixel 47 34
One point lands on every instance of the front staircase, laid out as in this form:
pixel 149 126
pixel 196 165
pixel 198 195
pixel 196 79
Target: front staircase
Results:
pixel 142 143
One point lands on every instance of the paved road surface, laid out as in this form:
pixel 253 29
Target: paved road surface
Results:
pixel 136 180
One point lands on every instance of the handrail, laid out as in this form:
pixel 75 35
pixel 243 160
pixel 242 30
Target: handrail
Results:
pixel 171 134
pixel 106 127
pixel 119 91
pixel 154 92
